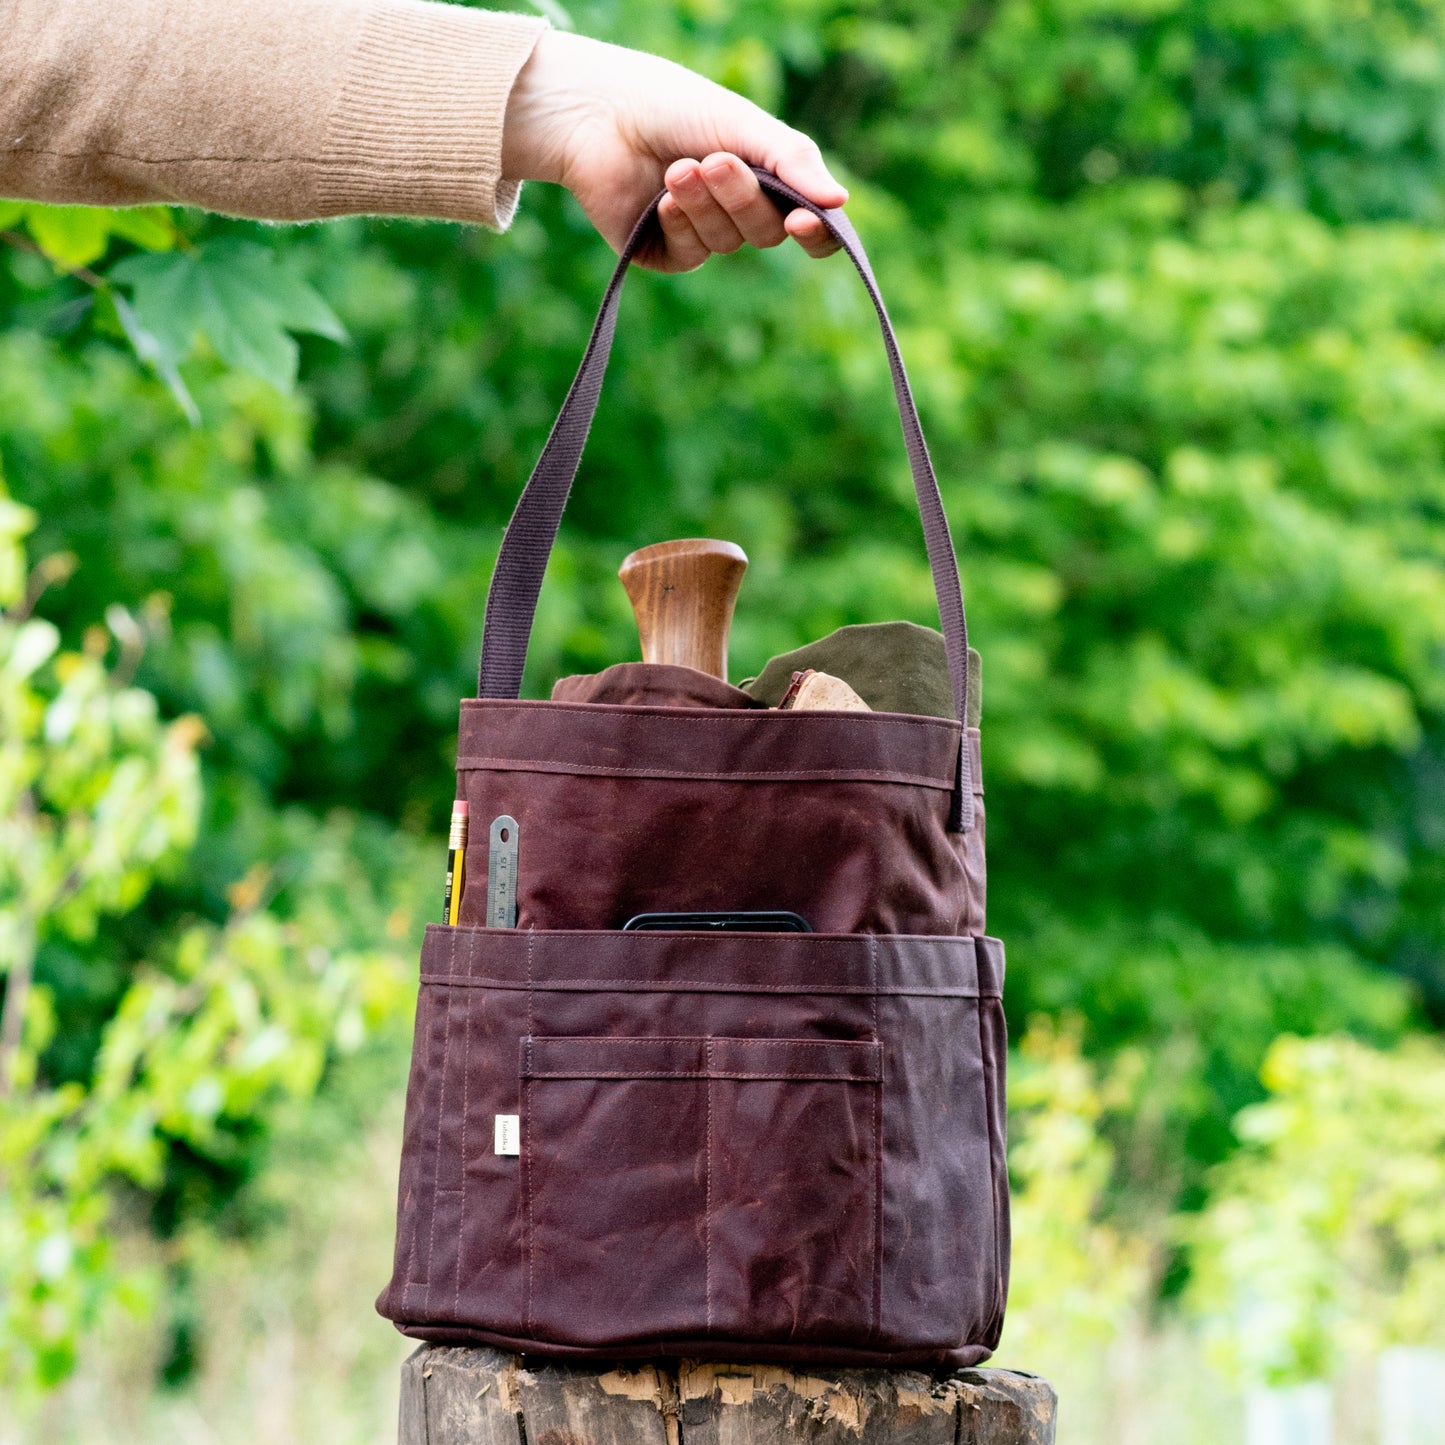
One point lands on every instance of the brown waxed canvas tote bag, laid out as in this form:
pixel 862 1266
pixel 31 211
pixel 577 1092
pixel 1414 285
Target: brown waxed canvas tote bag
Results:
pixel 758 1146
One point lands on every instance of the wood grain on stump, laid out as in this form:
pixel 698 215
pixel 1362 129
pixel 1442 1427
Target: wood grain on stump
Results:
pixel 471 1396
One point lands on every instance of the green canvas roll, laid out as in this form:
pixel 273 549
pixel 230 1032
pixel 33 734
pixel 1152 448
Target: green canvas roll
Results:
pixel 892 666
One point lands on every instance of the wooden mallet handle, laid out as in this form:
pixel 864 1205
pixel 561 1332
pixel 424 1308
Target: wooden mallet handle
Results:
pixel 682 596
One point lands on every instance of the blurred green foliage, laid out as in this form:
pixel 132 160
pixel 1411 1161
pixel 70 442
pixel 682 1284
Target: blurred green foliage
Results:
pixel 1325 1237
pixel 1170 283
pixel 1078 1281
pixel 202 1039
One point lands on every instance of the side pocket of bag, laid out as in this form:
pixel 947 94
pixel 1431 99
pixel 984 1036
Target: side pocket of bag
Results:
pixel 993 1046
pixel 993 1033
pixel 422 1143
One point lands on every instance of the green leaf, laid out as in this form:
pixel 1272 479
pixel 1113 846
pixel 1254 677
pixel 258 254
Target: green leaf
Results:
pixel 298 306
pixel 154 354
pixel 165 301
pixel 152 228
pixel 74 236
pixel 241 297
pixel 70 236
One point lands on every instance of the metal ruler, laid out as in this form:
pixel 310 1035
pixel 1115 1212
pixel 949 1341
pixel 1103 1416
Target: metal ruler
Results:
pixel 502 873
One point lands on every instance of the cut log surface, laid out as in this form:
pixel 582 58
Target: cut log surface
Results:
pixel 454 1395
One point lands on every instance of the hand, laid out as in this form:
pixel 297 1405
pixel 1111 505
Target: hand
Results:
pixel 614 126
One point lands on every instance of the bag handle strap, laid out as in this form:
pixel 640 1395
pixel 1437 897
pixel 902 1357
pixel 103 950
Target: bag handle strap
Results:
pixel 527 542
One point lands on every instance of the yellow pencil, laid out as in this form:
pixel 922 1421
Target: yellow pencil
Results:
pixel 456 864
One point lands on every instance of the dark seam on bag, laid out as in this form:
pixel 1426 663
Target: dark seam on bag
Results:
pixel 437 1165
pixel 475 933
pixel 985 1055
pixel 411 1253
pixel 856 942
pixel 725 1074
pixel 1000 1052
pixel 707 1193
pixel 612 1039
pixel 689 717
pixel 845 1073
pixel 650 985
pixel 967 911
pixel 1000 1059
pixel 992 962
pixel 564 766
pixel 876 1241
pixel 410 1264
pixel 462 1214
pixel 525 1123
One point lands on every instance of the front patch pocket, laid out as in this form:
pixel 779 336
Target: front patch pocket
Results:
pixel 701 1186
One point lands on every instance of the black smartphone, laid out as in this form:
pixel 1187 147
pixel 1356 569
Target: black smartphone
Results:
pixel 767 922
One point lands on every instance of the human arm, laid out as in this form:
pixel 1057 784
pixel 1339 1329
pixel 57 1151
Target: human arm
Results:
pixel 301 109
pixel 276 109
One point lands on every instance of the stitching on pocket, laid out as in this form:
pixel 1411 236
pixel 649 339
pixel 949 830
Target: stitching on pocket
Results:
pixel 446 1003
pixel 559 1075
pixel 474 763
pixel 424 1032
pixel 707 1195
pixel 697 985
pixel 985 1053
pixel 855 1060
pixel 990 1061
pixel 527 1132
pixel 461 1186
pixel 527 1182
pixel 875 1225
pixel 622 1040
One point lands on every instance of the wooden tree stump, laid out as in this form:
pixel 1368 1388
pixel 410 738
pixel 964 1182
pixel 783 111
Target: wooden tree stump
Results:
pixel 463 1396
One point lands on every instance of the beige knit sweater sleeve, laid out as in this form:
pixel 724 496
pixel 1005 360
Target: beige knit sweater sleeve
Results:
pixel 281 109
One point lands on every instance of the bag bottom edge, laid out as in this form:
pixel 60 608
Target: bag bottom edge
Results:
pixel 736 1351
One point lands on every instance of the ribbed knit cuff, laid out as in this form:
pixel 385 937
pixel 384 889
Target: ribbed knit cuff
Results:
pixel 417 125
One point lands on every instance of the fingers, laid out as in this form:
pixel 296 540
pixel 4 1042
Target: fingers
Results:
pixel 713 223
pixel 735 188
pixel 717 205
pixel 811 234
pixel 684 248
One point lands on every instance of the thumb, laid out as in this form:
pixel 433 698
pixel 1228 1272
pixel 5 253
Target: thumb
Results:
pixel 763 140
pixel 796 159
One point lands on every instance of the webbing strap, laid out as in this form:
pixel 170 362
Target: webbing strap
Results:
pixel 527 543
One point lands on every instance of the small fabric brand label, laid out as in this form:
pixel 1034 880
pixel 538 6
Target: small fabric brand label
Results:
pixel 507 1136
